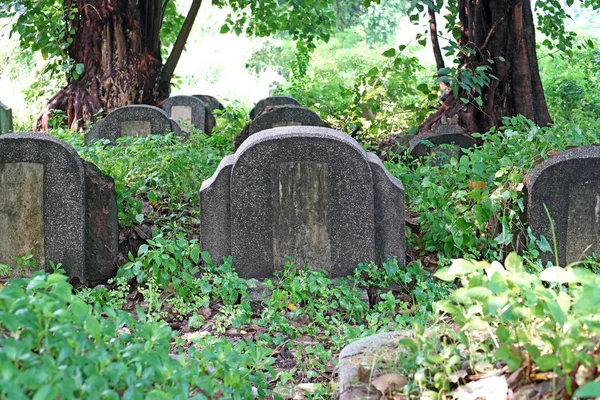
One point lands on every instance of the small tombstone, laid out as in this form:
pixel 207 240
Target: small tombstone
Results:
pixel 136 120
pixel 6 121
pixel 212 103
pixel 310 193
pixel 57 207
pixel 442 134
pixel 187 109
pixel 569 186
pixel 287 115
pixel 271 101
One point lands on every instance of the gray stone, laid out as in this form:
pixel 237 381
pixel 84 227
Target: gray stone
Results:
pixel 311 193
pixel 287 115
pixel 215 220
pixel 187 109
pixel 136 120
pixel 212 104
pixel 6 120
pixel 271 101
pixel 442 134
pixel 569 186
pixel 367 353
pixel 101 225
pixel 50 206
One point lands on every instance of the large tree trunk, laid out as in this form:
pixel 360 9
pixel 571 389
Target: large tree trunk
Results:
pixel 118 43
pixel 497 30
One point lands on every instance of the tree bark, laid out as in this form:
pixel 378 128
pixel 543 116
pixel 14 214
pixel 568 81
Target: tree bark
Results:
pixel 501 34
pixel 118 43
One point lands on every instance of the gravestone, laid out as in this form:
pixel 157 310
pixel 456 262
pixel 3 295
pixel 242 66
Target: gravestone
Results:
pixel 136 120
pixel 212 104
pixel 287 115
pixel 442 134
pixel 271 101
pixel 187 109
pixel 57 207
pixel 569 186
pixel 310 193
pixel 6 121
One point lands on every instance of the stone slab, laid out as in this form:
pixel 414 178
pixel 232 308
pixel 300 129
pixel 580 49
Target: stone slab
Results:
pixel 287 115
pixel 6 119
pixel 101 225
pixel 302 191
pixel 187 109
pixel 212 104
pixel 271 101
pixel 215 212
pixel 136 128
pixel 442 134
pixel 21 212
pixel 569 186
pixel 63 197
pixel 133 121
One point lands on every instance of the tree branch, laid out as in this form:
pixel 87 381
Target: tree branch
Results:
pixel 437 53
pixel 169 68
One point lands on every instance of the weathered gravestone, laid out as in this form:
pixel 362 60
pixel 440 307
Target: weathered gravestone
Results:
pixel 187 109
pixel 286 115
pixel 271 101
pixel 310 193
pixel 442 134
pixel 212 104
pixel 6 121
pixel 569 186
pixel 136 120
pixel 56 206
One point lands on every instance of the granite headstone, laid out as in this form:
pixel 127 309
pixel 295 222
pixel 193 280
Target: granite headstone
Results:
pixel 271 101
pixel 56 207
pixel 442 134
pixel 135 120
pixel 187 109
pixel 310 193
pixel 286 115
pixel 568 185
pixel 212 104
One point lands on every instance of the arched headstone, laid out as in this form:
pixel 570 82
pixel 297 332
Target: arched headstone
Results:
pixel 271 101
pixel 187 109
pixel 56 206
pixel 568 185
pixel 286 115
pixel 135 120
pixel 310 193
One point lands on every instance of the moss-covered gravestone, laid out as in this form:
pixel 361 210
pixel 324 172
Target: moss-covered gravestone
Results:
pixel 57 207
pixel 307 192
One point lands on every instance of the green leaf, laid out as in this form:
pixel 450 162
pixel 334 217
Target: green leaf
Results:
pixel 589 390
pixel 207 258
pixel 460 267
pixel 558 275
pixel 92 327
pixel 224 29
pixel 389 53
pixel 547 362
pixel 152 197
pixel 503 334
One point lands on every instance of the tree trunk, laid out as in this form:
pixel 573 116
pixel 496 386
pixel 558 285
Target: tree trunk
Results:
pixel 501 34
pixel 118 43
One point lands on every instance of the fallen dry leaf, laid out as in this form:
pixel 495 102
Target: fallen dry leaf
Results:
pixel 389 382
pixel 457 375
pixel 477 185
pixel 292 307
pixel 194 335
pixel 492 388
